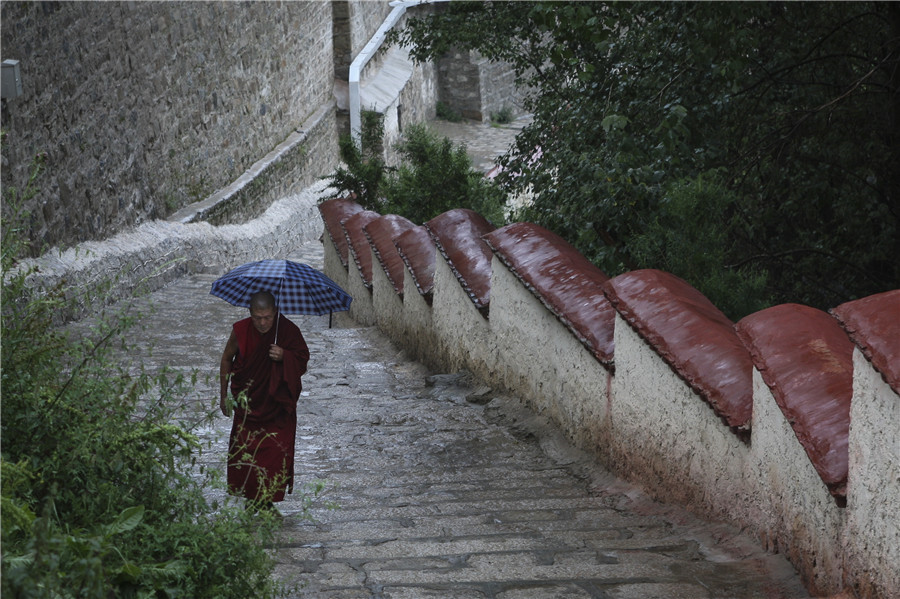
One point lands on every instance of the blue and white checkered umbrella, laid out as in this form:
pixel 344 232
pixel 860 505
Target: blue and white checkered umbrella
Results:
pixel 298 288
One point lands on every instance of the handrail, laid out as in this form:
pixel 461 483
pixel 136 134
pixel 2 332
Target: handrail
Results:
pixel 367 53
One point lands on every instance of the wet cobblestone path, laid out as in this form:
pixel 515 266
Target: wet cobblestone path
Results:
pixel 441 497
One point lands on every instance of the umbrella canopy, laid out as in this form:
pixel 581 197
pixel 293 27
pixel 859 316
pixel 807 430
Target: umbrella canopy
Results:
pixel 298 288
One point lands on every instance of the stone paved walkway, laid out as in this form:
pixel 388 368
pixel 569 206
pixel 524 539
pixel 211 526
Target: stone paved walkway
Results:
pixel 441 497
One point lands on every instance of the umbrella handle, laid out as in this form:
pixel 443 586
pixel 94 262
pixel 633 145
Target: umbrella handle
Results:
pixel 277 313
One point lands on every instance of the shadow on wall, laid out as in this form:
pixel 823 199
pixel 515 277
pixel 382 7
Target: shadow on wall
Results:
pixel 786 423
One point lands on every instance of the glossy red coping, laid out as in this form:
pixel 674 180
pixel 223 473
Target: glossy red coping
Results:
pixel 353 229
pixel 806 359
pixel 381 233
pixel 562 279
pixel 458 235
pixel 333 213
pixel 693 336
pixel 417 251
pixel 873 324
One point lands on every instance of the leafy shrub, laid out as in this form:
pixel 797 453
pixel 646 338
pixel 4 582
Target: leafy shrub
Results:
pixel 101 495
pixel 445 112
pixel 502 116
pixel 366 171
pixel 434 176
pixel 629 98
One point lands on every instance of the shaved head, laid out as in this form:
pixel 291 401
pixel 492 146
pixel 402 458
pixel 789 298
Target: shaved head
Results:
pixel 262 300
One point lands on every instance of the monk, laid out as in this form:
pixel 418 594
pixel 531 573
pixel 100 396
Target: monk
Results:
pixel 265 373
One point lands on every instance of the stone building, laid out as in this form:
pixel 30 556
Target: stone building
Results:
pixel 137 111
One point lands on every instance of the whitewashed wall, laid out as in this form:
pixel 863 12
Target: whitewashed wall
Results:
pixel 873 486
pixel 795 514
pixel 361 308
pixel 387 304
pixel 417 316
pixel 153 254
pixel 668 436
pixel 541 362
pixel 463 335
pixel 647 425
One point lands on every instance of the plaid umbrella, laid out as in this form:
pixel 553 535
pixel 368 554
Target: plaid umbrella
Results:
pixel 298 288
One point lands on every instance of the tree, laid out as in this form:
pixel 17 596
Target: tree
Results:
pixel 789 111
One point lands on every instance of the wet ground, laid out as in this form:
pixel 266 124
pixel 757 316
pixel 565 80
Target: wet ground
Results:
pixel 442 490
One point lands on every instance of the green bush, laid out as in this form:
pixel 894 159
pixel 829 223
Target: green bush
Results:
pixel 365 170
pixel 101 493
pixel 434 176
pixel 502 116
pixel 445 112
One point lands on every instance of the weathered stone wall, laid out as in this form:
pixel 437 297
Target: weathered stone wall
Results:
pixel 458 85
pixel 144 107
pixel 365 18
pixel 477 88
pixel 291 167
pixel 355 22
pixel 498 90
pixel 147 257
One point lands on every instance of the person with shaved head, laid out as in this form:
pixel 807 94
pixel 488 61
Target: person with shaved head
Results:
pixel 264 358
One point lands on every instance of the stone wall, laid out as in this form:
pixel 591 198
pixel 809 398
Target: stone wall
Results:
pixel 145 107
pixel 498 90
pixel 477 88
pixel 745 422
pixel 365 18
pixel 294 165
pixel 150 110
pixel 145 258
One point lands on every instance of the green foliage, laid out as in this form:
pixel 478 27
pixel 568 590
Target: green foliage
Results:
pixel 12 230
pixel 502 116
pixel 101 493
pixel 433 177
pixel 447 113
pixel 365 171
pixel 691 235
pixel 632 100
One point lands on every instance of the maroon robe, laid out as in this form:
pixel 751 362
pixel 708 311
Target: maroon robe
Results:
pixel 261 446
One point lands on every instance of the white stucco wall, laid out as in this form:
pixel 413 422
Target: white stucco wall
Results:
pixel 795 514
pixel 387 304
pixel 873 486
pixel 666 436
pixel 543 363
pixel 334 268
pixel 417 314
pixel 648 425
pixel 462 334
pixel 155 253
pixel 361 308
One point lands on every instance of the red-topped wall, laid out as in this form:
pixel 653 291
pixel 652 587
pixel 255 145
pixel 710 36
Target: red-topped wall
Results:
pixel 754 422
